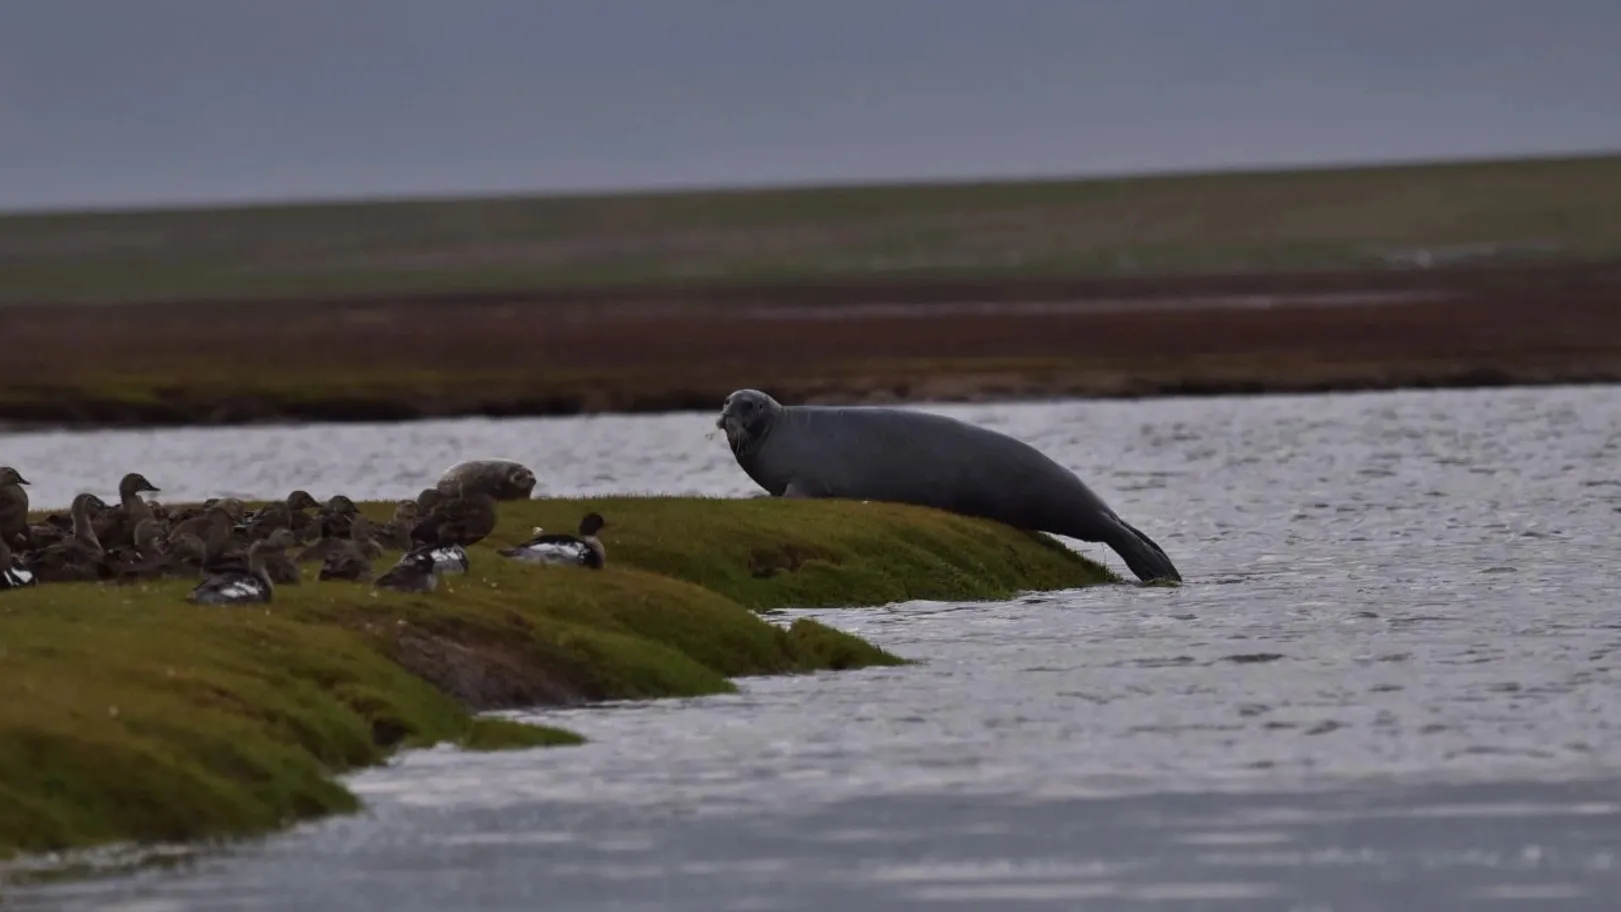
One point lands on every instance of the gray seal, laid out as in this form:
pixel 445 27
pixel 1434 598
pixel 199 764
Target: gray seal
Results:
pixel 903 456
pixel 502 479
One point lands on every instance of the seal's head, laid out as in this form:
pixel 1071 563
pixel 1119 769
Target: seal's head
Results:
pixel 517 482
pixel 746 415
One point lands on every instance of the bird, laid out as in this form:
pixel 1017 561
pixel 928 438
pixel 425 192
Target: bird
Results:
pixel 11 575
pixel 235 585
pixel 584 550
pixel 415 572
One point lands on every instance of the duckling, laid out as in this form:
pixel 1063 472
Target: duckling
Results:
pixel 79 557
pixel 415 572
pixel 11 575
pixel 116 528
pixel 465 518
pixel 236 586
pixel 346 561
pixel 564 550
pixel 13 507
pixel 395 534
pixel 283 570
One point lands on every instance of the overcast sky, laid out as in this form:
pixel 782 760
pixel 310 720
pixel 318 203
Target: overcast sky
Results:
pixel 120 102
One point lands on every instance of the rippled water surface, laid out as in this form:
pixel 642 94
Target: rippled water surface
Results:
pixel 1390 682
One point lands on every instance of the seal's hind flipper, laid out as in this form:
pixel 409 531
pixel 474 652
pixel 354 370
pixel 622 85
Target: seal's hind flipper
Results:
pixel 1141 553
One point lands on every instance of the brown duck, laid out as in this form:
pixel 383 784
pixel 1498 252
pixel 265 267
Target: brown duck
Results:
pixel 361 533
pixel 283 570
pixel 212 528
pixel 345 561
pixel 13 508
pixel 116 528
pixel 395 534
pixel 145 558
pixel 305 527
pixel 79 557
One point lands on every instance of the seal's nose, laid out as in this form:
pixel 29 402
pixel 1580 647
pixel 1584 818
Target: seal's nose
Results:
pixel 721 421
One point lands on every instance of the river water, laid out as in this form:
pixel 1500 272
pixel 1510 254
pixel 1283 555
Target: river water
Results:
pixel 1391 682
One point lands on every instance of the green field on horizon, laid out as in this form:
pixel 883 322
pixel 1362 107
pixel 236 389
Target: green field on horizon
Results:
pixel 1221 221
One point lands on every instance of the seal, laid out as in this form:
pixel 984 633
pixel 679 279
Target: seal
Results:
pixel 911 457
pixel 502 479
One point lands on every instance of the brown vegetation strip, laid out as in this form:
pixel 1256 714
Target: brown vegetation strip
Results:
pixel 186 363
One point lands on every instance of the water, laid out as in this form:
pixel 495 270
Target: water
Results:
pixel 1391 682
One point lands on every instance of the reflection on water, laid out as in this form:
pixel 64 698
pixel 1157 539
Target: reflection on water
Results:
pixel 1391 679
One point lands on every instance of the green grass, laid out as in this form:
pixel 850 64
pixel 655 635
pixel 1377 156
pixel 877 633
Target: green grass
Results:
pixel 1219 221
pixel 128 715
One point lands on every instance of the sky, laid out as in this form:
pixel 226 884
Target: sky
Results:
pixel 116 103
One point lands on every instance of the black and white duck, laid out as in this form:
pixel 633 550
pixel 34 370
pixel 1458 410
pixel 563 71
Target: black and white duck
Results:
pixel 11 575
pixel 416 571
pixel 236 586
pixel 446 558
pixel 556 550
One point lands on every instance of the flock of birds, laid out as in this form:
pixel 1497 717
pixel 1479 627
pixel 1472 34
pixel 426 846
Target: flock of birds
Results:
pixel 241 555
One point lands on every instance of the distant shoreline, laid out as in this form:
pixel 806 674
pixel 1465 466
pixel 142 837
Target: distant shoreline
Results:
pixel 171 364
pixel 105 418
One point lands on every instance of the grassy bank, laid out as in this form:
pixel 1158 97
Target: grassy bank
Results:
pixel 127 714
pixel 1316 218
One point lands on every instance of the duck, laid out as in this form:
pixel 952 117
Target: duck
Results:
pixel 234 586
pixel 79 557
pixel 396 533
pixel 283 569
pixel 345 561
pixel 267 520
pixel 446 558
pixel 304 526
pixel 11 575
pixel 144 559
pixel 13 507
pixel 416 571
pixel 339 512
pixel 212 527
pixel 557 550
pixel 360 532
pixel 465 518
pixel 116 527
pixel 186 556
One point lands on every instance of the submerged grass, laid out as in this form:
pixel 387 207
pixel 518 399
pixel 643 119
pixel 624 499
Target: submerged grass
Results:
pixel 127 714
